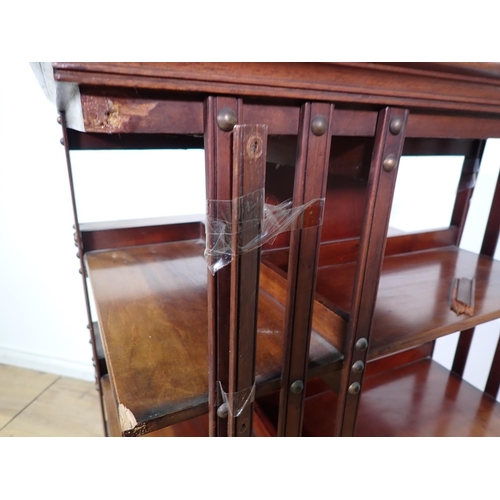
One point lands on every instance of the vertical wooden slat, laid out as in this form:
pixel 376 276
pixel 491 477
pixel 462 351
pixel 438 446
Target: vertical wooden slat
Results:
pixel 463 347
pixel 78 238
pixel 218 174
pixel 466 184
pixel 470 168
pixel 381 185
pixel 310 183
pixel 249 163
pixel 488 248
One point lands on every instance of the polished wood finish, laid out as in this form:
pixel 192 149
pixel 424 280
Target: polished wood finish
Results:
pixel 374 83
pixel 107 236
pixel 381 185
pixel 248 169
pixel 80 255
pixel 266 408
pixel 413 296
pixel 152 307
pixel 158 287
pixel 112 422
pixel 346 250
pixel 218 187
pixel 331 324
pixel 465 188
pixel 462 351
pixel 421 399
pixel 310 184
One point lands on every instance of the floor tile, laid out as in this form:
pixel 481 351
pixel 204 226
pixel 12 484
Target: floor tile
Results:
pixel 18 388
pixel 69 407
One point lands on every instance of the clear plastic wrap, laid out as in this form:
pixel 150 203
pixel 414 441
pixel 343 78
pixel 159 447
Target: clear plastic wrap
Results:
pixel 236 402
pixel 222 245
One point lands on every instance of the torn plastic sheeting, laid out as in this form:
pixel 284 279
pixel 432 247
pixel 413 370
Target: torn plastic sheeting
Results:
pixel 264 223
pixel 237 401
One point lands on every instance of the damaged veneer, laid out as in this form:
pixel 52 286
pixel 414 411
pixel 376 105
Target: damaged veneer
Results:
pixel 462 296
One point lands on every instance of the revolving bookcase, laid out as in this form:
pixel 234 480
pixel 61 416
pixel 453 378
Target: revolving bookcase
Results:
pixel 293 309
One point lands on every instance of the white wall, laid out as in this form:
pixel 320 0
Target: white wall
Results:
pixel 42 313
pixel 42 322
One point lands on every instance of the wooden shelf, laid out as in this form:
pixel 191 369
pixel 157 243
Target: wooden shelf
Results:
pixel 413 298
pixel 152 306
pixel 418 399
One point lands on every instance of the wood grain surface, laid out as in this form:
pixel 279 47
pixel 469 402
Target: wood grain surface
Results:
pixel 412 303
pixel 152 307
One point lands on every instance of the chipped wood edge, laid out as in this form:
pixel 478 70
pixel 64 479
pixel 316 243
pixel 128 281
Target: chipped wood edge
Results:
pixel 127 419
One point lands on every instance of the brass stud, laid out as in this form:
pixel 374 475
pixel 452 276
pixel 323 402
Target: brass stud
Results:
pixel 358 366
pixel 361 344
pixel 390 163
pixel 354 388
pixel 62 141
pixel 297 387
pixel 223 410
pixel 396 126
pixel 59 120
pixel 226 119
pixel 319 125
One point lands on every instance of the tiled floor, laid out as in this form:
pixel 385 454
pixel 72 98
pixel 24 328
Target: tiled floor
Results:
pixel 41 404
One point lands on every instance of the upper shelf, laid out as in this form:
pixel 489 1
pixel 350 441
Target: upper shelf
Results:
pixel 152 306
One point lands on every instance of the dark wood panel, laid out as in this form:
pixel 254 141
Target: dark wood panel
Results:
pixel 280 120
pixel 94 141
pixel 101 239
pixel 357 82
pixel 381 184
pixel 412 302
pixel 415 146
pixel 453 127
pixel 309 184
pixel 393 361
pixel 420 399
pixel 112 423
pixel 152 308
pixel 463 347
pixel 345 251
pixel 248 169
pixel 423 399
pixel 327 322
pixel 218 187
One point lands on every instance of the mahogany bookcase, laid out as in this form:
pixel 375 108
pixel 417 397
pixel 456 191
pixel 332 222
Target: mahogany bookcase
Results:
pixel 325 329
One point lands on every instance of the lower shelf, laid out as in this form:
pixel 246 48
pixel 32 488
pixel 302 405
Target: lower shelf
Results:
pixel 152 306
pixel 419 399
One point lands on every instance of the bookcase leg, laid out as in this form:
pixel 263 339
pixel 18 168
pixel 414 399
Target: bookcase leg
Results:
pixel 79 244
